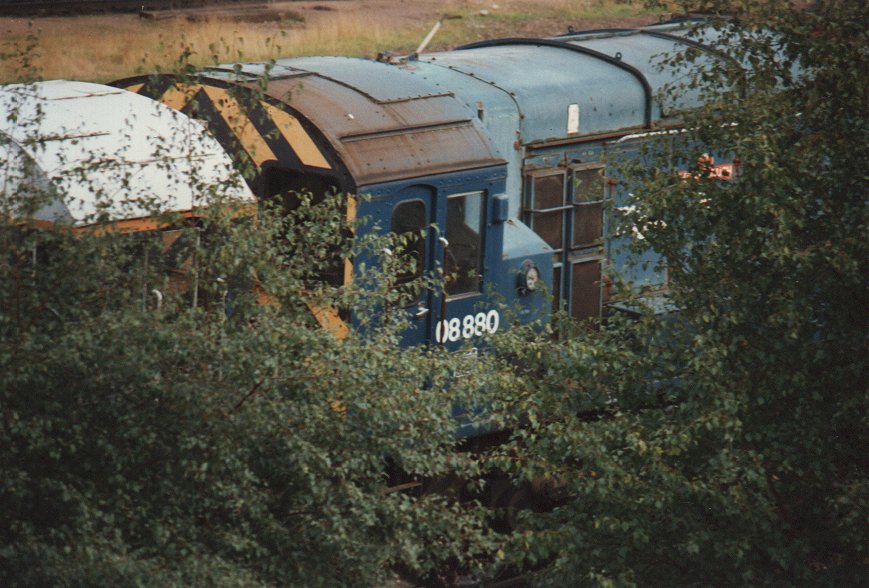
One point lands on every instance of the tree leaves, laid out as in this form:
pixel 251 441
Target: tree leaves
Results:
pixel 215 438
pixel 712 446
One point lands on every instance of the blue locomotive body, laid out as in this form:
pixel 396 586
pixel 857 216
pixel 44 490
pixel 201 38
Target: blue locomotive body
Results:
pixel 501 146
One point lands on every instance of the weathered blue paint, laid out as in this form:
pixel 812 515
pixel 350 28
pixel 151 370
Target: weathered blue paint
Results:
pixel 506 245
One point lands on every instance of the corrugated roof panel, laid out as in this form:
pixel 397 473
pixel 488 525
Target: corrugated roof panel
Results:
pixel 381 140
pixel 345 111
pixel 417 153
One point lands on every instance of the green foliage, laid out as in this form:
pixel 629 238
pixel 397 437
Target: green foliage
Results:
pixel 186 421
pixel 725 444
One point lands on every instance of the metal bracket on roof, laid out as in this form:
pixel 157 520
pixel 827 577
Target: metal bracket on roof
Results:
pixel 389 58
pixel 415 55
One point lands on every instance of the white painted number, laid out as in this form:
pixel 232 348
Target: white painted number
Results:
pixel 454 331
pixel 493 321
pixel 471 325
pixel 468 326
pixel 480 324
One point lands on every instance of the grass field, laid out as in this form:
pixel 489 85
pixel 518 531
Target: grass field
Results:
pixel 106 47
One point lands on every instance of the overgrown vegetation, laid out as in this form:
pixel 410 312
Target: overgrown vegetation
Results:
pixel 179 445
pixel 177 417
pixel 724 445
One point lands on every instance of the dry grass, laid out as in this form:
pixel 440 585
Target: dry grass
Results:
pixel 106 47
pixel 87 48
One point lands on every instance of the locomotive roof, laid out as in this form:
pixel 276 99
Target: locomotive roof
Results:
pixel 612 77
pixel 370 122
pixel 474 106
pixel 384 123
pixel 89 148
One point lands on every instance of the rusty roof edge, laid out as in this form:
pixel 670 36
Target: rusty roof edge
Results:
pixel 250 76
pixel 373 179
pixel 362 136
pixel 658 125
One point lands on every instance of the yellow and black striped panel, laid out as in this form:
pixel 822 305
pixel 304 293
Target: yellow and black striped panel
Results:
pixel 252 130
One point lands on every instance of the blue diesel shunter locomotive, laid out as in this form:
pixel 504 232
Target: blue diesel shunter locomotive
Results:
pixel 503 145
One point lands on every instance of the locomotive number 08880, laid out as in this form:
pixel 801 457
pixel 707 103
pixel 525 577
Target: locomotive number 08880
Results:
pixel 471 325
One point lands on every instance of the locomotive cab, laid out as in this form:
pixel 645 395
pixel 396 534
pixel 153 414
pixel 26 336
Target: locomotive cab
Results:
pixel 464 226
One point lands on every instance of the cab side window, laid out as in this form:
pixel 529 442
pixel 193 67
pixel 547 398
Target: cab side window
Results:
pixel 464 259
pixel 409 221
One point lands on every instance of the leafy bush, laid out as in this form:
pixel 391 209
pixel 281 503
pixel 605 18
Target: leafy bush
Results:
pixel 186 421
pixel 724 444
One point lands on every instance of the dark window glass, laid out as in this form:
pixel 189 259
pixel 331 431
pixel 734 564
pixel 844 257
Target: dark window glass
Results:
pixel 165 260
pixel 548 192
pixel 409 219
pixel 585 289
pixel 464 234
pixel 550 226
pixel 178 247
pixel 587 224
pixel 588 207
pixel 587 185
pixel 166 252
pixel 287 188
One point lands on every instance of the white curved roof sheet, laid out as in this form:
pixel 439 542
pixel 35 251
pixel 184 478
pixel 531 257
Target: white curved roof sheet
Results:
pixel 78 152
